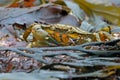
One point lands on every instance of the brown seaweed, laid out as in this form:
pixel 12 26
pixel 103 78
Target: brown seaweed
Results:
pixel 102 48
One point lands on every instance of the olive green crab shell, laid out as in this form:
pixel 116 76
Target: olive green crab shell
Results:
pixel 28 31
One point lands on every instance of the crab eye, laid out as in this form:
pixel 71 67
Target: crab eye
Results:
pixel 37 28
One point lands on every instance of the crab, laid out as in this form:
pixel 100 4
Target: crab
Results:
pixel 61 35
